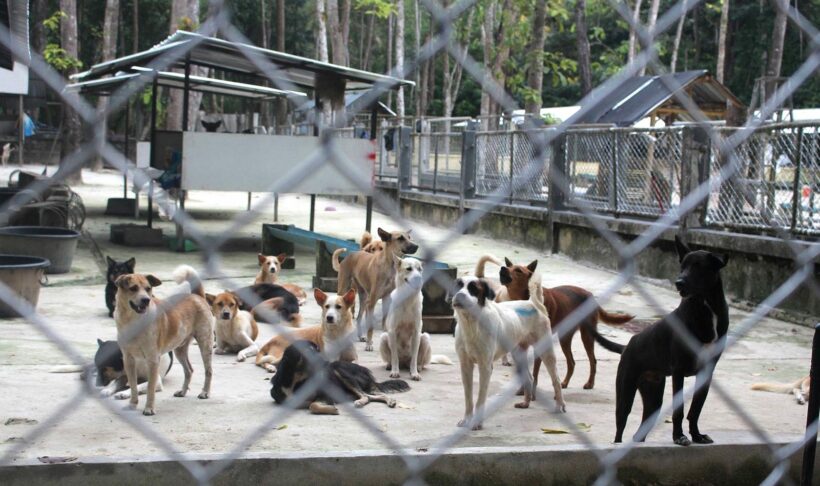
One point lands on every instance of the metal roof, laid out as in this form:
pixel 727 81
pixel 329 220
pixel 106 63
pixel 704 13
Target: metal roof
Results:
pixel 229 56
pixel 354 103
pixel 640 96
pixel 106 86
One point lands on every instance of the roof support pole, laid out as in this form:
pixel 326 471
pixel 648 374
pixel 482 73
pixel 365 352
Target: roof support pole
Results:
pixel 186 90
pixel 373 125
pixel 125 150
pixel 153 152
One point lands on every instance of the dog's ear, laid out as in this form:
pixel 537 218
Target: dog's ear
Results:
pixel 320 297
pixel 261 258
pixel 131 263
pixel 531 266
pixel 154 281
pixel 282 257
pixel 99 342
pixel 507 262
pixel 210 298
pixel 122 281
pixel 409 231
pixel 350 297
pixel 681 247
pixel 721 258
pixel 486 293
pixel 110 261
pixel 384 235
pixel 239 302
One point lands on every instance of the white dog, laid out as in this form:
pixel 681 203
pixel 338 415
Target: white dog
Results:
pixel 486 330
pixel 404 345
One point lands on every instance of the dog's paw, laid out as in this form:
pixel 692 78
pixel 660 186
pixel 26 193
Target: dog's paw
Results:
pixel 362 339
pixel 122 395
pixel 391 402
pixel 415 376
pixel 180 393
pixel 683 441
pixel 701 439
pixel 270 369
pixel 203 395
pixel 360 403
pixel 561 407
pixel 394 374
pixel 478 427
pixel 368 347
pixel 106 392
pixel 588 385
pixel 464 422
pixel 148 411
pixel 240 357
pixel 219 351
pixel 564 384
pixel 524 404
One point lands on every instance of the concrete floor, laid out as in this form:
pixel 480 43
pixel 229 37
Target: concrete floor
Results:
pixel 73 304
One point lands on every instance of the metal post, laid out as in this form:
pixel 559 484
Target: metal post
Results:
pixel 435 164
pixel 468 163
pixel 275 207
pixel 153 151
pixel 613 185
pixel 312 210
pixel 368 222
pixel 807 473
pixel 186 91
pixel 249 201
pixel 21 135
pixel 512 163
pixel 125 151
pixel 796 188
pixel 368 219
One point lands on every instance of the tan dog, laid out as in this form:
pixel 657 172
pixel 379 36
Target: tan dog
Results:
pixel 800 388
pixel 369 245
pixel 269 269
pixel 148 327
pixel 332 335
pixel 372 274
pixel 236 329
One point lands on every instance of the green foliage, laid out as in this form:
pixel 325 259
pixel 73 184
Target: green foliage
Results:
pixel 59 59
pixel 551 120
pixel 52 24
pixel 380 8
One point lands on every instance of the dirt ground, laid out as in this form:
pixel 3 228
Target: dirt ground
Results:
pixel 73 305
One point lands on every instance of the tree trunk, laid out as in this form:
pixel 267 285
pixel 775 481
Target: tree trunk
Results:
pixel 417 40
pixel 345 24
pixel 636 18
pixel 673 64
pixel 321 52
pixel 487 29
pixel 281 104
pixel 582 41
pixel 371 27
pixel 109 51
pixel 135 26
pixel 653 19
pixel 39 12
pixel 535 71
pixel 720 70
pixel 389 64
pixel 71 133
pixel 181 9
pixel 337 43
pixel 263 23
pixel 775 58
pixel 400 55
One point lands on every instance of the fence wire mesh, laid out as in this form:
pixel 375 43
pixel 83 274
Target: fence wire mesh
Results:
pixel 758 177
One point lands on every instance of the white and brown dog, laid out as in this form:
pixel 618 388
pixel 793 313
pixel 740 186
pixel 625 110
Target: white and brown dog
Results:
pixel 333 336
pixel 236 329
pixel 800 388
pixel 404 346
pixel 372 275
pixel 486 330
pixel 269 269
pixel 148 328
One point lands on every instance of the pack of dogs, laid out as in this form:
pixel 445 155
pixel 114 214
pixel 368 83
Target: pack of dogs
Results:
pixel 496 319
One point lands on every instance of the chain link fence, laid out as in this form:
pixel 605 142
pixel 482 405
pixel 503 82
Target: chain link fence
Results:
pixel 622 171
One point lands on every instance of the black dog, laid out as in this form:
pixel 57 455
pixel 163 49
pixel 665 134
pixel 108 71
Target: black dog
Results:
pixel 302 361
pixel 115 269
pixel 111 371
pixel 658 351
pixel 271 297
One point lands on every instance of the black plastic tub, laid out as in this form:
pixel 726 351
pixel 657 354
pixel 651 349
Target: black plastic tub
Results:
pixel 57 245
pixel 22 274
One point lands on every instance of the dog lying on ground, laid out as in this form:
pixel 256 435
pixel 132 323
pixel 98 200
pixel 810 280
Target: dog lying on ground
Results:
pixel 484 332
pixel 148 328
pixel 800 388
pixel 404 345
pixel 115 269
pixel 236 330
pixel 658 351
pixel 111 371
pixel 560 303
pixel 372 274
pixel 269 303
pixel 332 336
pixel 302 361
pixel 269 269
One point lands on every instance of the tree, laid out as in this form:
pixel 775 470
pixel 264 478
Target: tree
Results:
pixel 636 19
pixel 400 55
pixel 653 19
pixel 336 28
pixel 281 104
pixel 109 52
pixel 724 27
pixel 71 133
pixel 185 16
pixel 582 41
pixel 535 68
pixel 775 57
pixel 496 51
pixel 673 64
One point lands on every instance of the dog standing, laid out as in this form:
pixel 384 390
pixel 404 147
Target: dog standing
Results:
pixel 115 269
pixel 111 371
pixel 658 352
pixel 560 302
pixel 404 345
pixel 302 361
pixel 372 275
pixel 236 330
pixel 269 269
pixel 800 388
pixel 148 327
pixel 331 336
pixel 484 331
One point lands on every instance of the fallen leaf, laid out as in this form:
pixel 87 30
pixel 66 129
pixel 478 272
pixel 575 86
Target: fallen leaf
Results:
pixel 584 426
pixel 667 420
pixel 56 459
pixel 282 427
pixel 554 431
pixel 405 406
pixel 20 421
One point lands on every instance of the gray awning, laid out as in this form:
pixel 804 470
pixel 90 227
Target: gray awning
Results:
pixel 230 56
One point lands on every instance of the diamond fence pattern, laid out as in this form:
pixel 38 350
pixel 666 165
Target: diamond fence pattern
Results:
pixel 758 160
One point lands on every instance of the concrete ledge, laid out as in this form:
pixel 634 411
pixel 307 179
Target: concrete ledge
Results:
pixel 740 463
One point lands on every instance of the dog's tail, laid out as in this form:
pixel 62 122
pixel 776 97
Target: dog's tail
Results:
pixel 537 295
pixel 615 318
pixel 366 239
pixel 479 267
pixel 66 369
pixel 187 273
pixel 607 344
pixel 777 387
pixel 393 386
pixel 440 359
pixel 335 259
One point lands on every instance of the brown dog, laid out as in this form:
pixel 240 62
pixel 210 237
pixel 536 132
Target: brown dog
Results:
pixel 148 327
pixel 800 388
pixel 369 245
pixel 330 335
pixel 372 275
pixel 560 302
pixel 236 329
pixel 269 269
